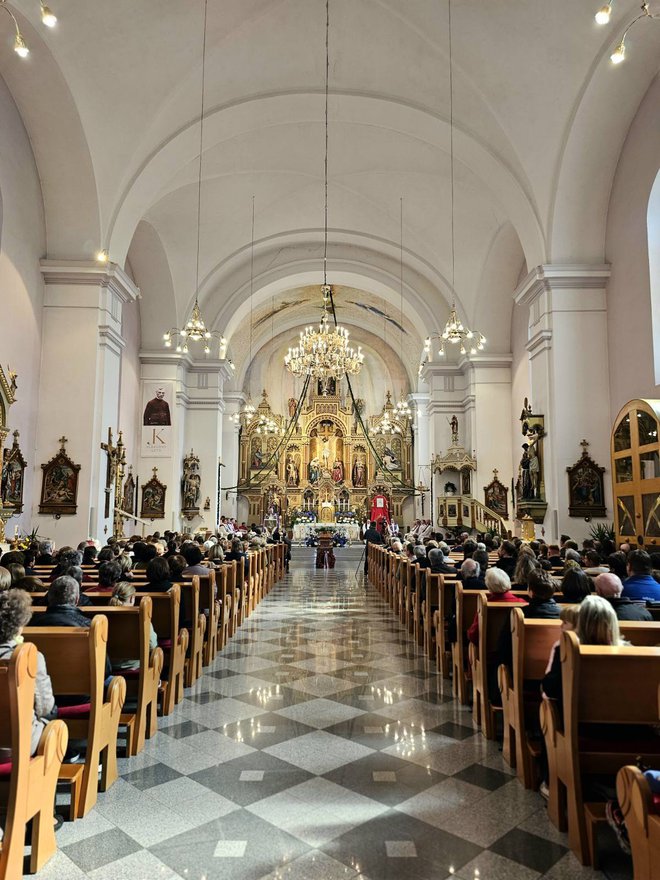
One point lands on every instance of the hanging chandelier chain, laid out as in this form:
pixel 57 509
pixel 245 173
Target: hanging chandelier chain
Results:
pixel 251 275
pixel 325 163
pixel 201 146
pixel 451 149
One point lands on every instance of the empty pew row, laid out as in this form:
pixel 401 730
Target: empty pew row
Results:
pixel 94 709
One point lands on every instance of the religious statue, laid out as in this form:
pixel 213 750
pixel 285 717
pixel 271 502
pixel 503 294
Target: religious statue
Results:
pixel 293 405
pixel 292 473
pixel 190 484
pixel 453 422
pixel 534 465
pixel 325 454
pixel 523 474
pixel 358 411
pixel 338 471
pixel 314 470
pixel 359 473
pixel 390 460
pixel 327 387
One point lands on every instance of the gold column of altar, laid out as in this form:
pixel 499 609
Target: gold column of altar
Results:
pixel 7 397
pixel 326 469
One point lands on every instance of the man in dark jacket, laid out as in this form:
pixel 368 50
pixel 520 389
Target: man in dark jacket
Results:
pixel 439 563
pixel 609 586
pixel 507 557
pixel 371 536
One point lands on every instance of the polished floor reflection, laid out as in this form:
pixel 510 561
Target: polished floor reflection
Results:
pixel 318 746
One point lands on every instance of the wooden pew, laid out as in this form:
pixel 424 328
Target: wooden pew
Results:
pixel 493 617
pixel 207 600
pixel 642 817
pixel 172 640
pixel 196 626
pixel 601 685
pixel 466 608
pixel 75 659
pixel 440 593
pixel 225 599
pixel 129 629
pixel 532 641
pixel 27 784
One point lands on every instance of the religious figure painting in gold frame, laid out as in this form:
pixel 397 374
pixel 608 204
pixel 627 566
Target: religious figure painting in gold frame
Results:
pixel 59 484
pixel 496 496
pixel 586 488
pixel 153 498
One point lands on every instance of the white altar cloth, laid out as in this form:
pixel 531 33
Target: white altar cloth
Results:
pixel 302 530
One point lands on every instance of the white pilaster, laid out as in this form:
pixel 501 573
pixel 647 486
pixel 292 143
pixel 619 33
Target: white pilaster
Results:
pixel 567 345
pixel 231 432
pixel 79 383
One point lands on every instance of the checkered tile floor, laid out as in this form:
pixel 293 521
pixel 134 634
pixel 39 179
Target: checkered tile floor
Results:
pixel 319 745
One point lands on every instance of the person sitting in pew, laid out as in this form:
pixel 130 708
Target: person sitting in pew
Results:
pixel 609 586
pixel 15 613
pixel 526 564
pixel 439 563
pixel 30 584
pixel 5 579
pixel 617 564
pixel 109 575
pixel 640 583
pixel 576 586
pixel 472 576
pixel 62 610
pixel 499 590
pixel 159 575
pixel 597 624
pixel 508 555
pixel 124 594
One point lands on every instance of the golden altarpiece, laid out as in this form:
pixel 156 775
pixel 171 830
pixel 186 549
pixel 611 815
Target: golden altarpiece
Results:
pixel 326 471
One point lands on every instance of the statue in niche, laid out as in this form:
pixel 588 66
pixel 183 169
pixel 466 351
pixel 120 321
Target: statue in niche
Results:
pixel 293 404
pixel 292 472
pixel 358 411
pixel 314 470
pixel 359 472
pixel 325 454
pixel 453 423
pixel 534 465
pixel 327 387
pixel 190 483
pixel 338 471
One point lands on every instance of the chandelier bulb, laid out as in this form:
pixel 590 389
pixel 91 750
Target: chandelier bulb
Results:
pixel 619 53
pixel 20 46
pixel 604 14
pixel 47 16
pixel 102 255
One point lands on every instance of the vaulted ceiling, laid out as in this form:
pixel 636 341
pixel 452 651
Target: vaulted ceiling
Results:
pixel 111 102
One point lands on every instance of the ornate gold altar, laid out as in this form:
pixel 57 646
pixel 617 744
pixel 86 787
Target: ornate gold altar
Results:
pixel 326 470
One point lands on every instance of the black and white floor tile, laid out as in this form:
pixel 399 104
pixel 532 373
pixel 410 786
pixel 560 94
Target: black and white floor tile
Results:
pixel 319 745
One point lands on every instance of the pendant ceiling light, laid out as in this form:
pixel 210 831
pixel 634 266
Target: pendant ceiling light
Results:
pixel 195 330
pixel 20 46
pixel 324 352
pixel 455 332
pixel 604 15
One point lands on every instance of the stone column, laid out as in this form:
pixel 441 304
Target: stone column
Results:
pixel 489 408
pixel 567 345
pixel 79 385
pixel 205 429
pixel 231 431
pixel 422 454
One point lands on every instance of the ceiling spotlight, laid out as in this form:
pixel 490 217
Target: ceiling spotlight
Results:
pixel 102 256
pixel 604 14
pixel 619 53
pixel 20 46
pixel 47 16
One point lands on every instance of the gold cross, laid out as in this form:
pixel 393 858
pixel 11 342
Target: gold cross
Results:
pixel 495 473
pixel 63 440
pixel 155 470
pixel 584 445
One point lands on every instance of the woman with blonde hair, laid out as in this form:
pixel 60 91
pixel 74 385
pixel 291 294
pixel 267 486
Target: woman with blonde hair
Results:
pixel 525 565
pixel 123 593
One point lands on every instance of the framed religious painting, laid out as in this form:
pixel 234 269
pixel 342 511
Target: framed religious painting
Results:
pixel 586 489
pixel 13 471
pixel 59 484
pixel 496 496
pixel 153 498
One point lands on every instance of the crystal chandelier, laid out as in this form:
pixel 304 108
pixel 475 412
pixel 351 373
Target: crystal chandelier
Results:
pixel 48 18
pixel 604 15
pixel 195 329
pixel 455 333
pixel 268 425
pixel 386 424
pixel 325 353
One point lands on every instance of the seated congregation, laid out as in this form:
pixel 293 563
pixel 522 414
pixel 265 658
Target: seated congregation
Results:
pixel 556 648
pixel 94 645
